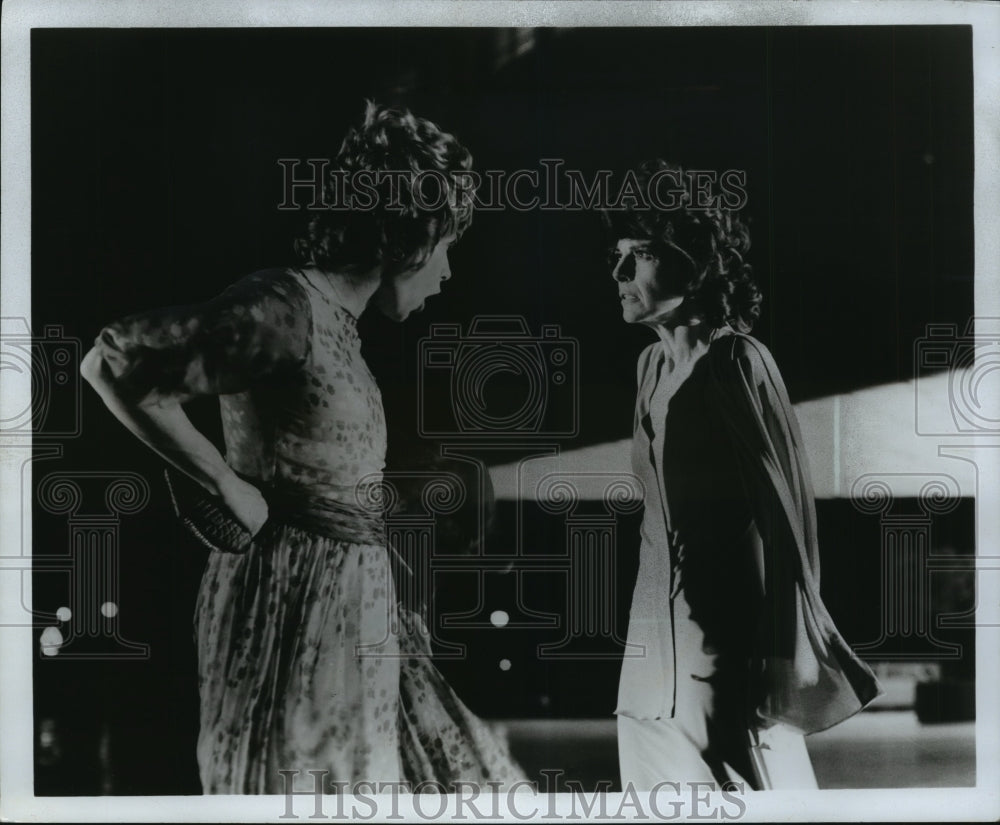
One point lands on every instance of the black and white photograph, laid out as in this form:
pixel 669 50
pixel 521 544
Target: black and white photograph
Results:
pixel 500 411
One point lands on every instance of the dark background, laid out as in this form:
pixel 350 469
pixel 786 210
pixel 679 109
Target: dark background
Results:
pixel 155 181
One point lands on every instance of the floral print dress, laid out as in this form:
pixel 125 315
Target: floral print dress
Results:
pixel 305 661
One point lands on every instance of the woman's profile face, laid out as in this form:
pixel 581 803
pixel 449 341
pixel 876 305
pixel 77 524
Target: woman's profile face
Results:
pixel 402 294
pixel 649 287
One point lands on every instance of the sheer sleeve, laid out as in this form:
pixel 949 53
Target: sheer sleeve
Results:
pixel 258 330
pixel 809 676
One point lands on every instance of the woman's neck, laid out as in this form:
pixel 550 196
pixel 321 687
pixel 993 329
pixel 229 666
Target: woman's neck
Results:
pixel 686 342
pixel 354 290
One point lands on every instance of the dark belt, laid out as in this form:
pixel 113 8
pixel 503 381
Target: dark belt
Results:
pixel 326 517
pixel 211 522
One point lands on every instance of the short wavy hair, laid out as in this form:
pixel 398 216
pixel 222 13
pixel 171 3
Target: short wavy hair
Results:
pixel 711 243
pixel 408 215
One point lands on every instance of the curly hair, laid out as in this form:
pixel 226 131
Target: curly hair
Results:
pixel 710 242
pixel 407 213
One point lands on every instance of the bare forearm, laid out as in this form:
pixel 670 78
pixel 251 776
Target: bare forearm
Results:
pixel 163 426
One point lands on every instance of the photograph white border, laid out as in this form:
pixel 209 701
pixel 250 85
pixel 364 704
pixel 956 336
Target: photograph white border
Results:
pixel 17 802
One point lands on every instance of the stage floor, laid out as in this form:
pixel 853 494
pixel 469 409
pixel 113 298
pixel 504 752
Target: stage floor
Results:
pixel 875 749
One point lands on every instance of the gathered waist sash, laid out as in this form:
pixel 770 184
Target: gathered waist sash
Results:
pixel 328 517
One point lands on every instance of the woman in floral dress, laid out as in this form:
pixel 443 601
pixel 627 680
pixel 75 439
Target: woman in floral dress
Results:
pixel 305 661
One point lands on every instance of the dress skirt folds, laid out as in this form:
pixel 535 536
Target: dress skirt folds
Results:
pixel 297 669
pixel 306 664
pixel 322 671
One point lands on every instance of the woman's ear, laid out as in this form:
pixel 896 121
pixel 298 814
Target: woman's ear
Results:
pixel 692 309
